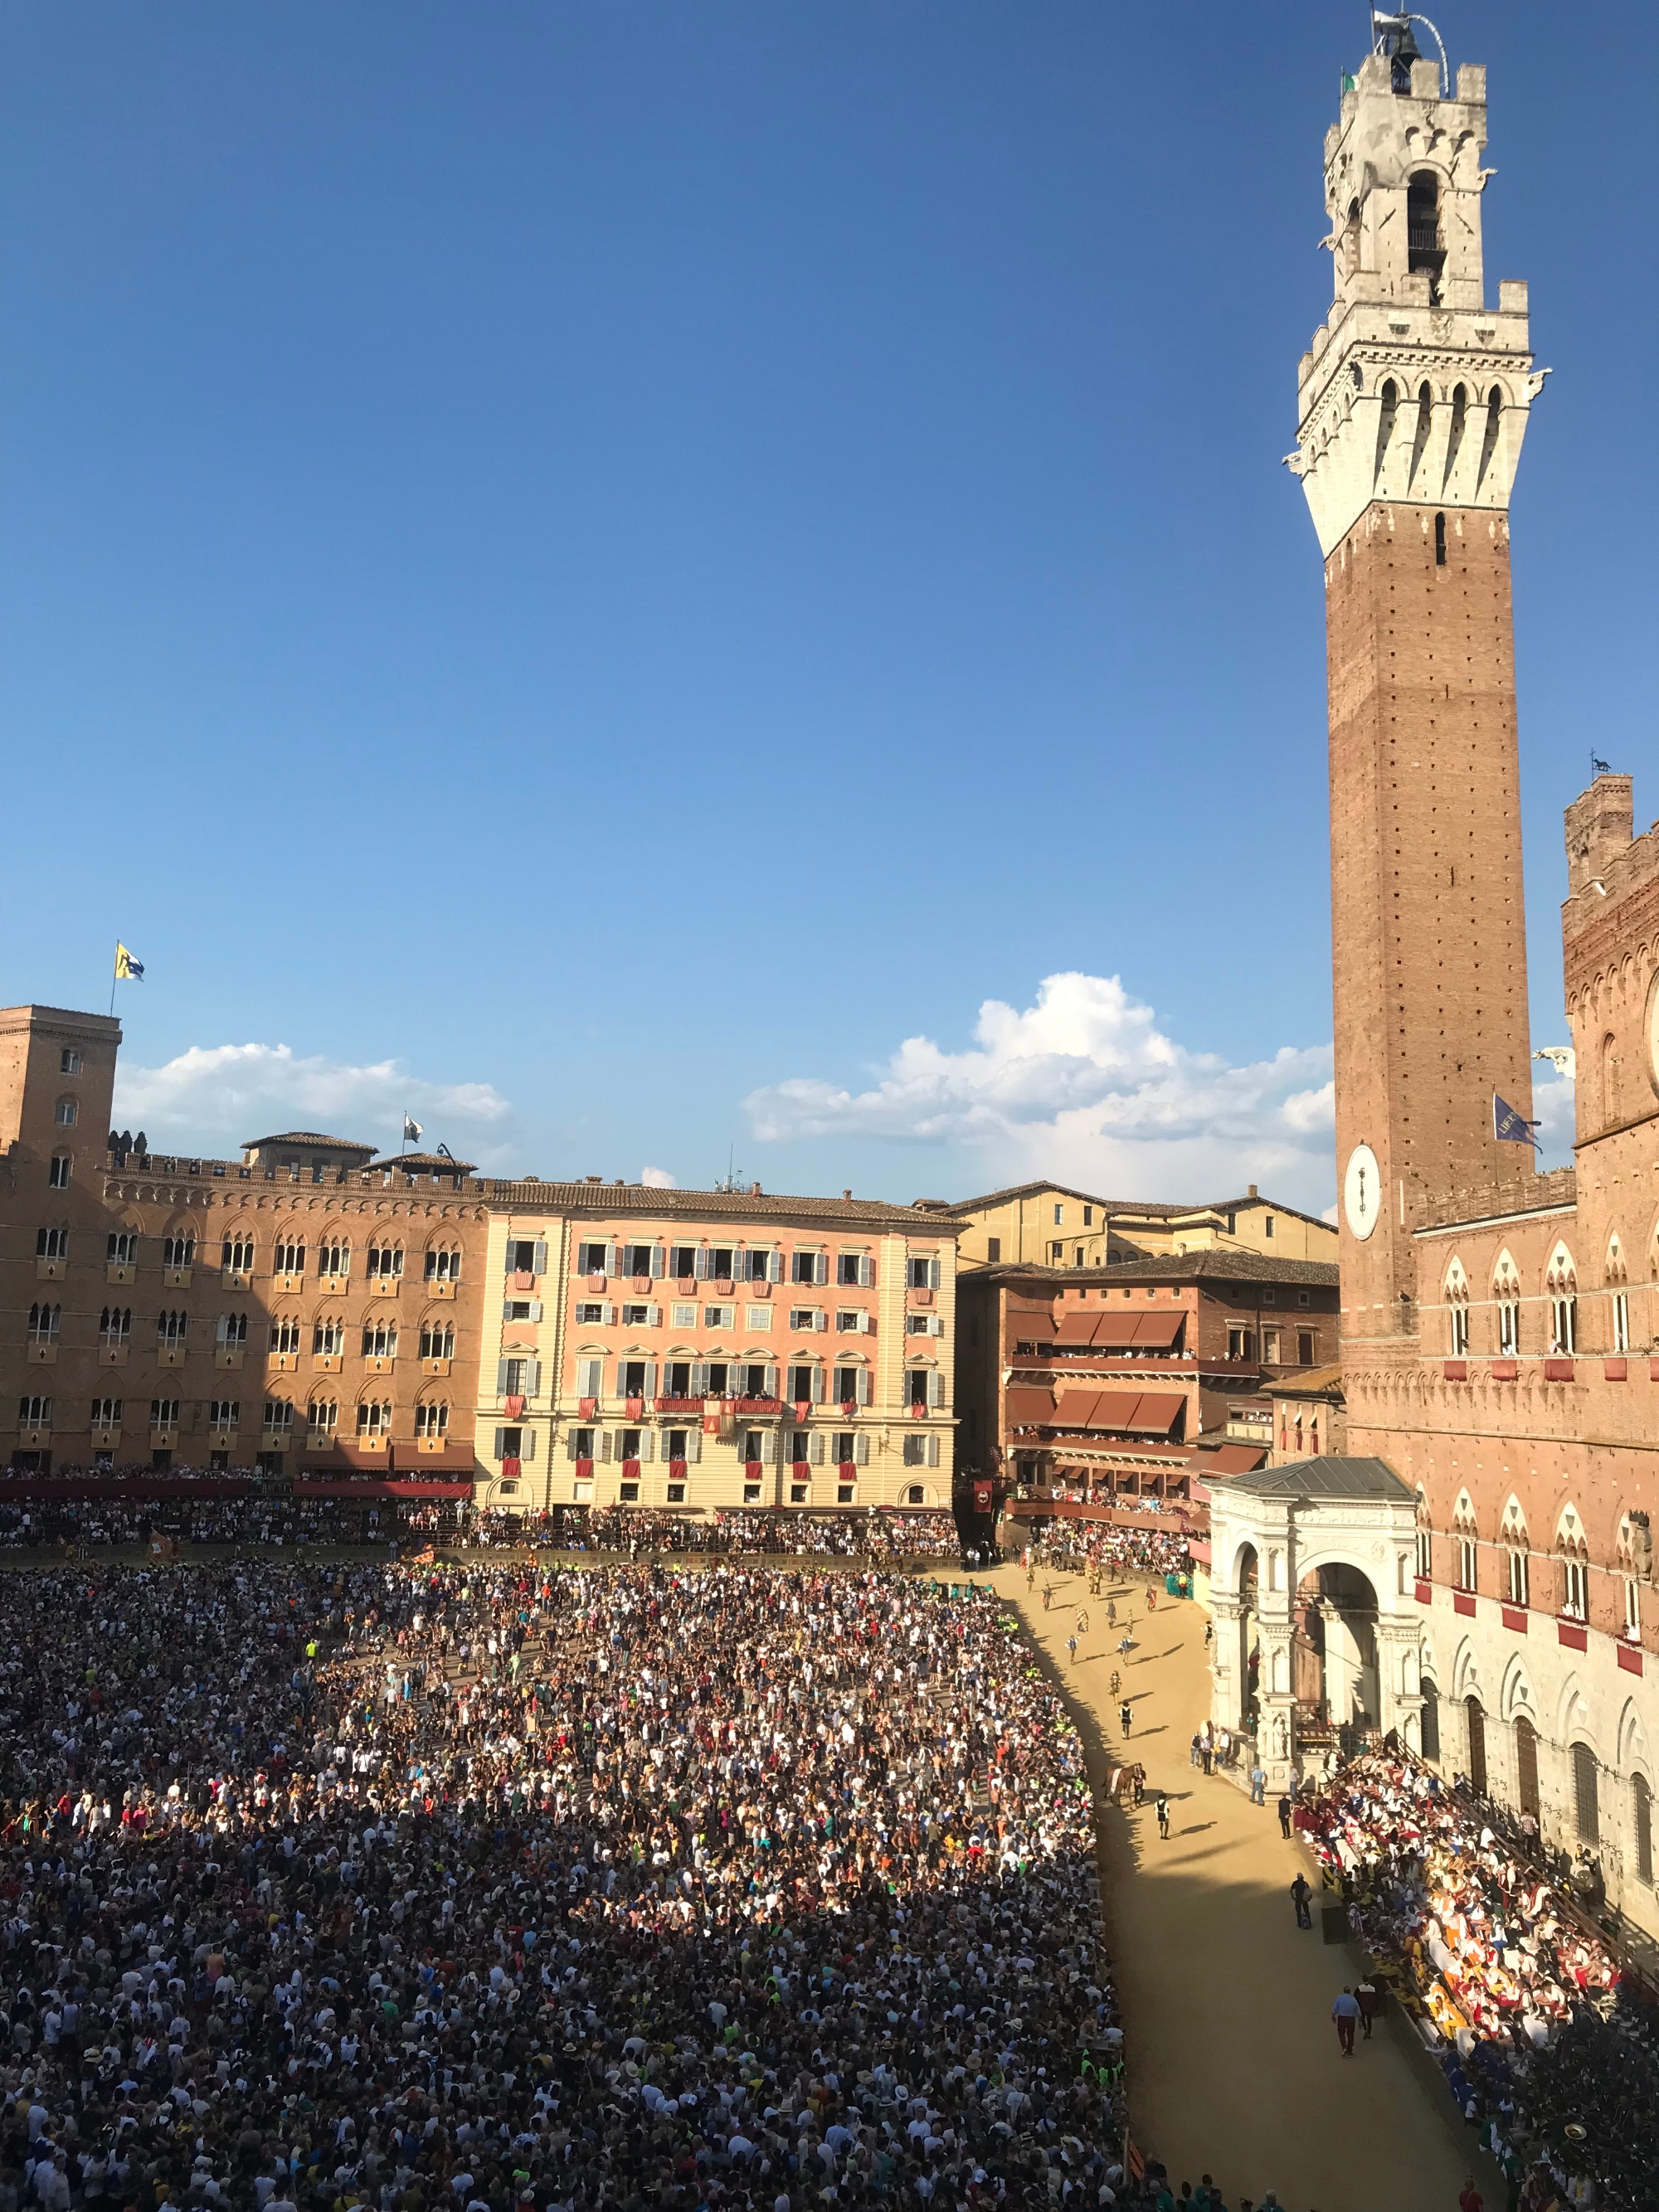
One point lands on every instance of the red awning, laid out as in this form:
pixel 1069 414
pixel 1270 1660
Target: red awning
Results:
pixel 1156 1332
pixel 1114 1409
pixel 1234 1459
pixel 1030 1408
pixel 1156 1411
pixel 1076 1327
pixel 1117 1331
pixel 1077 1410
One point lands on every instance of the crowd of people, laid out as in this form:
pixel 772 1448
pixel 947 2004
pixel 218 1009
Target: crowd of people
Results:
pixel 1101 1547
pixel 272 1516
pixel 1540 2046
pixel 514 1885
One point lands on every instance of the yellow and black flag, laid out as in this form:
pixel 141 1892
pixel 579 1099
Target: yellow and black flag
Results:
pixel 127 970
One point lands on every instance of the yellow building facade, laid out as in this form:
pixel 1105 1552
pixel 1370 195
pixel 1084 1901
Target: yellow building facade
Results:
pixel 1053 1225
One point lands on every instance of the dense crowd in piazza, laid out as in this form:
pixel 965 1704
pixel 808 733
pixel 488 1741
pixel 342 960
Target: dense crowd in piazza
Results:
pixel 502 1885
pixel 1525 2000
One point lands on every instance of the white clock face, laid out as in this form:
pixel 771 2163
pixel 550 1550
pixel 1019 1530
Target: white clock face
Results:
pixel 1362 1191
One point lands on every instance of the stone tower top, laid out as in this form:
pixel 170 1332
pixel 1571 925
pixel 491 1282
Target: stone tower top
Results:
pixel 1414 391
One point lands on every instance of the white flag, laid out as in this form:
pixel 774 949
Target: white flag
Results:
pixel 411 1131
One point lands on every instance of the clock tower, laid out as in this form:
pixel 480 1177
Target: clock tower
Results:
pixel 1415 399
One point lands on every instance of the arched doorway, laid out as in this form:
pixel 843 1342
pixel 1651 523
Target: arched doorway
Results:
pixel 1477 1745
pixel 1586 1793
pixel 1249 1640
pixel 1428 1725
pixel 1526 1764
pixel 1334 1657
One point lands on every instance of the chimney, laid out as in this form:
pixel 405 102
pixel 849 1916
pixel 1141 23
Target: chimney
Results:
pixel 846 1194
pixel 755 1190
pixel 1252 1191
pixel 1598 824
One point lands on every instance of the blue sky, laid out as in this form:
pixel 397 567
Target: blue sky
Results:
pixel 591 572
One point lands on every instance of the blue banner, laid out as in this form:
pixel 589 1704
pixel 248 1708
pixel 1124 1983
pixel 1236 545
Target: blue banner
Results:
pixel 1508 1126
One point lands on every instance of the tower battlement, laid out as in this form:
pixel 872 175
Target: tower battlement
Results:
pixel 1414 390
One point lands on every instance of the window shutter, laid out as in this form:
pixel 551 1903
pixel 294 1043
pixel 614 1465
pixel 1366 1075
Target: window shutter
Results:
pixel 538 1257
pixel 769 1447
pixel 693 1446
pixel 815 1447
pixel 771 1381
pixel 650 1378
pixel 817 1384
pixel 935 1387
pixel 654 1317
pixel 861 1449
pixel 500 1380
pixel 533 1379
pixel 932 1450
pixel 774 1266
pixel 604 1441
pixel 535 1310
pixel 527 1444
pixel 570 1445
pixel 659 1262
pixel 700 1263
pixel 609 1316
pixel 648 1446
pixel 699 1378
pixel 500 1443
pixel 863 1386
pixel 866 1271
pixel 507 1309
pixel 820 1266
pixel 621 1386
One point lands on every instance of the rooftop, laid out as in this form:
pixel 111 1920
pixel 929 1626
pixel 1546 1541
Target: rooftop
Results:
pixel 600 1200
pixel 1323 1478
pixel 1313 1382
pixel 307 1137
pixel 1225 1264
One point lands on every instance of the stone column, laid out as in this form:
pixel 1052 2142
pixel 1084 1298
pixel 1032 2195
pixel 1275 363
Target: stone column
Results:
pixel 1226 1678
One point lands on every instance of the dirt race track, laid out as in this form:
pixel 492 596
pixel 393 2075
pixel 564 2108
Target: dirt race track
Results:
pixel 1234 2068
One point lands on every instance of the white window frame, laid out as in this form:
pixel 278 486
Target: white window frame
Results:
pixel 1621 1321
pixel 1468 1562
pixel 1575 1589
pixel 1459 1332
pixel 1520 1573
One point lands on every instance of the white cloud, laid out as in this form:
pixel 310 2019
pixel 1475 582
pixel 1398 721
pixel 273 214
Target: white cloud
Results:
pixel 1084 1087
pixel 1554 1110
pixel 658 1179
pixel 212 1098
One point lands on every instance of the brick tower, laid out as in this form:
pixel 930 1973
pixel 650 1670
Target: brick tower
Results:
pixel 1413 402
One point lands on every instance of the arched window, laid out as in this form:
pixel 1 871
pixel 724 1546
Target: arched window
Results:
pixel 179 1249
pixel 1561 1288
pixel 1518 1551
pixel 1617 1278
pixel 1458 1308
pixel 1526 1764
pixel 385 1261
pixel 438 1340
pixel 1423 249
pixel 328 1336
pixel 1468 1547
pixel 171 1325
pixel 334 1257
pixel 289 1256
pixel 1642 1798
pixel 1430 1723
pixel 1506 1291
pixel 1477 1719
pixel 380 1339
pixel 374 1418
pixel 1440 541
pixel 1586 1793
pixel 44 1322
pixel 1574 1553
pixel 236 1253
pixel 285 1333
pixel 114 1327
pixel 1424 1540
pixel 431 1423
pixel 443 1264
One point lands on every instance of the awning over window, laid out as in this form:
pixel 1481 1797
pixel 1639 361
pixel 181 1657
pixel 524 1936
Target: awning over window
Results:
pixel 1159 1331
pixel 1076 1327
pixel 1031 1408
pixel 1076 1411
pixel 1156 1412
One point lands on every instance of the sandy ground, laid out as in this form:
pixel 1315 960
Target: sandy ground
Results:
pixel 1234 2066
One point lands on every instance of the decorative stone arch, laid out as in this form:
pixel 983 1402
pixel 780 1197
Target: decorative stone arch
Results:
pixel 1560 1275
pixel 1466 1680
pixel 1615 1271
pixel 1328 1522
pixel 1456 1285
pixel 1634 1757
pixel 1515 1700
pixel 1505 1276
pixel 1575 1715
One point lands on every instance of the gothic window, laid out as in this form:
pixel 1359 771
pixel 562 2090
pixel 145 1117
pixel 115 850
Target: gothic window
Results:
pixel 1440 541
pixel 1586 1793
pixel 1517 1554
pixel 1506 1291
pixel 1424 254
pixel 1468 1549
pixel 1457 1304
pixel 1561 1287
pixel 1643 1797
pixel 1575 1566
